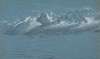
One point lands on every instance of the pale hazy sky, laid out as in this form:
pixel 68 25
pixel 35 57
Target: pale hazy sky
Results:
pixel 24 7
